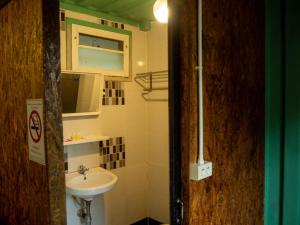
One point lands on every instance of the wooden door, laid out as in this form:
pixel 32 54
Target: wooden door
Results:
pixel 233 85
pixel 30 193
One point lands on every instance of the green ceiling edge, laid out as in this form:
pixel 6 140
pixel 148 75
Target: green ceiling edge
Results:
pixel 71 21
pixel 144 26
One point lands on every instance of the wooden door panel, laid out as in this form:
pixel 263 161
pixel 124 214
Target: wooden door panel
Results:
pixel 233 62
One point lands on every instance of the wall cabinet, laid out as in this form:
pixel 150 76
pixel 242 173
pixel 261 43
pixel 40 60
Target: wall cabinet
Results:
pixel 100 51
pixel 94 48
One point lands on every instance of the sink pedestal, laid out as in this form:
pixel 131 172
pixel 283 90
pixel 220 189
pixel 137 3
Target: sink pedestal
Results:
pixel 85 212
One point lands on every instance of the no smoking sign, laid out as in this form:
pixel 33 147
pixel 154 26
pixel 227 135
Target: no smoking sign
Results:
pixel 35 126
pixel 35 130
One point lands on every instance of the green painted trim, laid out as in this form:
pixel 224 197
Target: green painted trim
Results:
pixel 102 15
pixel 71 21
pixel 291 181
pixel 273 112
pixel 145 26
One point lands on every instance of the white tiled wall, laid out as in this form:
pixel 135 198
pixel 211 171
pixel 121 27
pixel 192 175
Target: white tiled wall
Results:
pixel 142 188
pixel 125 203
pixel 158 130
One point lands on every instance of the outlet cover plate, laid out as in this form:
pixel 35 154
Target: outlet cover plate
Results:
pixel 200 171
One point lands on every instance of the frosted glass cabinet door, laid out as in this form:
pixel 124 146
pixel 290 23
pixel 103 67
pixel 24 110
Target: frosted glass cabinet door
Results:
pixel 100 42
pixel 100 59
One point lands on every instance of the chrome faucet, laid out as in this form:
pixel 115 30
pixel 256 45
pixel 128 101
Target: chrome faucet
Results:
pixel 82 170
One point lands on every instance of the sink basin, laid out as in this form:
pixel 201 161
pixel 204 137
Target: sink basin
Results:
pixel 98 181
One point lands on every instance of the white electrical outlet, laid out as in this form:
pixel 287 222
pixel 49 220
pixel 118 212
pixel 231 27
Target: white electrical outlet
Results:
pixel 200 171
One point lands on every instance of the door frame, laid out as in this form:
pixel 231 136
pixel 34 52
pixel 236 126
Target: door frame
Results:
pixel 183 102
pixel 174 118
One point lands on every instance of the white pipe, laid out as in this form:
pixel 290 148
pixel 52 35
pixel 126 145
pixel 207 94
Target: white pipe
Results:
pixel 200 75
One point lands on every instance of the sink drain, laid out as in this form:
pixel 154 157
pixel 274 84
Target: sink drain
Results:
pixel 85 211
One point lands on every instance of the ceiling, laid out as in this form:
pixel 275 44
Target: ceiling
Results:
pixel 137 11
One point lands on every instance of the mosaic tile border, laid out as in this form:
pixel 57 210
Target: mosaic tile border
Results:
pixel 112 153
pixel 111 23
pixel 113 93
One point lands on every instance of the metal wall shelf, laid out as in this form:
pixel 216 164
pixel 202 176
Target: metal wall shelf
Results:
pixel 152 81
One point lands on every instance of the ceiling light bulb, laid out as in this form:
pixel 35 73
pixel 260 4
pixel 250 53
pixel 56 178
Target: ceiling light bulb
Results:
pixel 160 10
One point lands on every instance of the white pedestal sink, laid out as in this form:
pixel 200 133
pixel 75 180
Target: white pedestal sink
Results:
pixel 98 181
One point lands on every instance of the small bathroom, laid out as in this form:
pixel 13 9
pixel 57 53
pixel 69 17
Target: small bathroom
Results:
pixel 114 66
pixel 147 112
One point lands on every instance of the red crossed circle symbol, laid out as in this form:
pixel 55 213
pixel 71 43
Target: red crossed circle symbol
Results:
pixel 35 126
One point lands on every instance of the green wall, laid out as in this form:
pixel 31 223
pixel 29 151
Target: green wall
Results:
pixel 273 112
pixel 291 174
pixel 282 182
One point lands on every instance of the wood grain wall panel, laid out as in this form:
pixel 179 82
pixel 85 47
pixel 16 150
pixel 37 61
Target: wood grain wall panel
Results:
pixel 24 185
pixel 53 112
pixel 233 60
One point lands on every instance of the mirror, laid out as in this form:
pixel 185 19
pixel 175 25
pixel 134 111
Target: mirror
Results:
pixel 81 94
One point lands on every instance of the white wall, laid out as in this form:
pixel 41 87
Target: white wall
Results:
pixel 142 187
pixel 157 127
